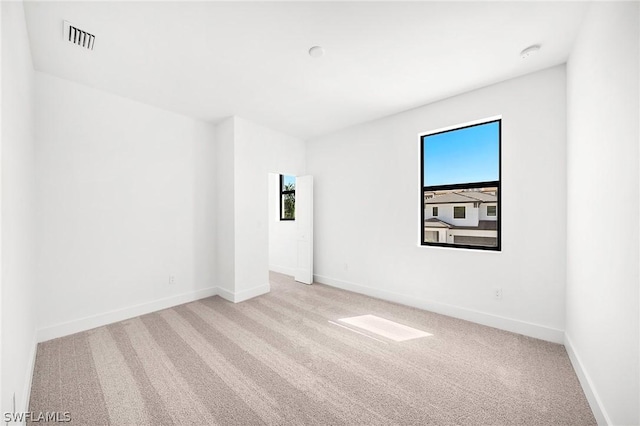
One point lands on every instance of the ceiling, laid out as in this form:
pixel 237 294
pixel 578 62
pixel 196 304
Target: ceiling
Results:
pixel 211 60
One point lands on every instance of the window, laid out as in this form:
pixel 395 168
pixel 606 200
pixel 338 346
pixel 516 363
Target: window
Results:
pixel 287 197
pixel 431 236
pixel 460 172
pixel 459 212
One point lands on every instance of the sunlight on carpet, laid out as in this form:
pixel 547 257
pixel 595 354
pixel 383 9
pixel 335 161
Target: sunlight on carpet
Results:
pixel 385 328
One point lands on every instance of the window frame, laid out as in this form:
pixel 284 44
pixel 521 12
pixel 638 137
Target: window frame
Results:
pixel 495 212
pixel 435 211
pixel 282 194
pixel 497 184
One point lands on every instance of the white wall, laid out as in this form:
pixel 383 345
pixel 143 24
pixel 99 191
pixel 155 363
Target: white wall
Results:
pixel 259 151
pixel 225 211
pixel 246 154
pixel 2 405
pixel 125 199
pixel 368 201
pixel 18 209
pixel 204 208
pixel 602 267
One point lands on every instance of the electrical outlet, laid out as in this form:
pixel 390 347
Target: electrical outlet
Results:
pixel 172 280
pixel 497 293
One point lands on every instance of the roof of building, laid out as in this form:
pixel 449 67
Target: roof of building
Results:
pixel 436 223
pixel 483 225
pixel 462 197
pixel 485 197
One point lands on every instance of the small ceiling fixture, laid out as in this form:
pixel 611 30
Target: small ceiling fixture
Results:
pixel 531 50
pixel 316 51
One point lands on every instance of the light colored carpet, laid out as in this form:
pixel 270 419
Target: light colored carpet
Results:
pixel 277 360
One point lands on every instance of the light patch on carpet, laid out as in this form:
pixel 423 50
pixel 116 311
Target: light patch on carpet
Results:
pixel 385 328
pixel 356 331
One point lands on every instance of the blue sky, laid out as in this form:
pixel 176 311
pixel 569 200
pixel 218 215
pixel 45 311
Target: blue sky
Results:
pixel 289 179
pixel 462 156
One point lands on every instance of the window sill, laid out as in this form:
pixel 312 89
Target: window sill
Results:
pixel 475 250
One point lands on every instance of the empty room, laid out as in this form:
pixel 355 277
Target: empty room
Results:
pixel 320 213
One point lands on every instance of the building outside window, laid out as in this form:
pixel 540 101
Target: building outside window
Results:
pixel 461 186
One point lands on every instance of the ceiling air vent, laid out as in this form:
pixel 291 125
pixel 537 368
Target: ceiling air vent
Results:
pixel 77 36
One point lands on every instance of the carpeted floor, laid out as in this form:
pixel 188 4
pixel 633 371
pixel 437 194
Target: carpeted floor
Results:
pixel 277 359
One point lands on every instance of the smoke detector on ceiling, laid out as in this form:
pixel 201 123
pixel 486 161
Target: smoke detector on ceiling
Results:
pixel 531 50
pixel 316 51
pixel 79 37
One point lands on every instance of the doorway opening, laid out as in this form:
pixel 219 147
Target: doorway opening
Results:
pixel 291 225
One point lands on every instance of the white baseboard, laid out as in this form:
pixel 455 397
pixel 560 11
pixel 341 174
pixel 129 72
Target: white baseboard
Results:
pixel 226 294
pixel 509 324
pixel 587 385
pixel 283 270
pixel 93 321
pixel 243 295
